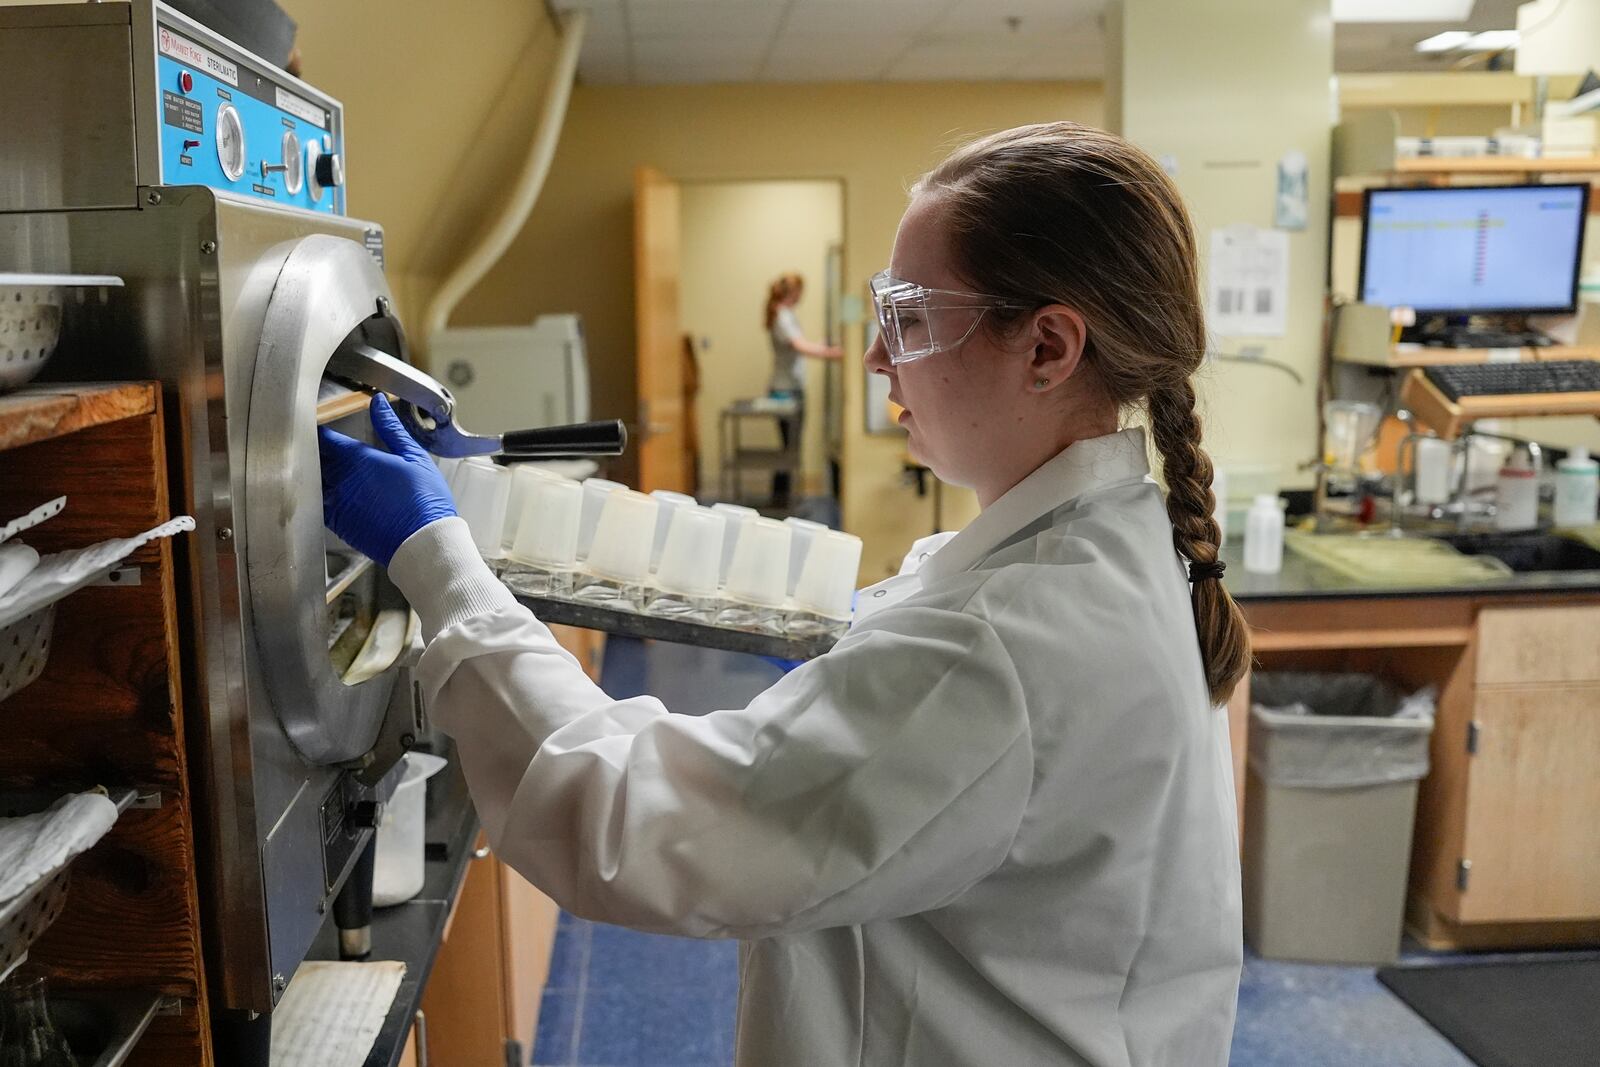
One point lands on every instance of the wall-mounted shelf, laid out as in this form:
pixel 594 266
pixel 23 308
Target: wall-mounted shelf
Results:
pixel 1362 335
pixel 1402 356
pixel 1436 165
pixel 104 1025
pixel 28 914
pixel 41 412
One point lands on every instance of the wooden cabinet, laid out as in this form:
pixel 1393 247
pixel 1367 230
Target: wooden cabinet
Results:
pixel 1507 844
pixel 1532 829
pixel 1539 645
pixel 109 707
pixel 489 978
pixel 486 985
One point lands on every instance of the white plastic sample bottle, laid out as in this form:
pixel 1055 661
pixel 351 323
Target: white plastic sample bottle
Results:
pixel 1517 493
pixel 1577 489
pixel 1263 536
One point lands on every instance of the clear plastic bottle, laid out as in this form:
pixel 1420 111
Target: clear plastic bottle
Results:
pixel 28 1037
pixel 1263 536
pixel 1577 489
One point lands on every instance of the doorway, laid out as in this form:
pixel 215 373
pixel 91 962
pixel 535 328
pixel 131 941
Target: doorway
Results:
pixel 736 237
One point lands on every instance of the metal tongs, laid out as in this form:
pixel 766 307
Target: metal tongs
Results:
pixel 428 411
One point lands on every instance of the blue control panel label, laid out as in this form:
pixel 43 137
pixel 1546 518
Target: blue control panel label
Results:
pixel 225 126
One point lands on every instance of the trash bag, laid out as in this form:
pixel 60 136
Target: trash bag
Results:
pixel 1337 730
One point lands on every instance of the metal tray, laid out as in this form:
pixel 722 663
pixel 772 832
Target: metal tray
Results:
pixel 653 627
pixel 25 917
pixel 102 1027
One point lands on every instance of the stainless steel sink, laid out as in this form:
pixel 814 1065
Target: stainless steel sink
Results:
pixel 1527 552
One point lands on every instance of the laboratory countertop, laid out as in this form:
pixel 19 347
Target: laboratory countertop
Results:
pixel 1303 579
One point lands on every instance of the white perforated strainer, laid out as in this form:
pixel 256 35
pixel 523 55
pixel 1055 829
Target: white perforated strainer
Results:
pixel 31 308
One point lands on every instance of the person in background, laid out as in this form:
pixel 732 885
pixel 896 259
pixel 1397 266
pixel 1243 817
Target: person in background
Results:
pixel 789 344
pixel 995 824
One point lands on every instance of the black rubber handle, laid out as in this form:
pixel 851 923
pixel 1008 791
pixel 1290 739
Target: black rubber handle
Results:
pixel 606 438
pixel 352 908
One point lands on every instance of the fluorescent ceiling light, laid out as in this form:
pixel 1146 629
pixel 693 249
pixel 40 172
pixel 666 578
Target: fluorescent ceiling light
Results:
pixel 1444 42
pixel 1493 41
pixel 1402 10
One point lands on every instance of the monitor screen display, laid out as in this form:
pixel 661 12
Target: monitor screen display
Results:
pixel 1511 248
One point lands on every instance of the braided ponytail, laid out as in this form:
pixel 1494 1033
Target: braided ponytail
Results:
pixel 1224 634
pixel 1063 213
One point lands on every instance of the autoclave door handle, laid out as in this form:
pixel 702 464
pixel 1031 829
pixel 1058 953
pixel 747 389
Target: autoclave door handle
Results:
pixel 607 437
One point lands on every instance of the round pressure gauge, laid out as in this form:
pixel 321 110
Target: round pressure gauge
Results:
pixel 294 170
pixel 230 142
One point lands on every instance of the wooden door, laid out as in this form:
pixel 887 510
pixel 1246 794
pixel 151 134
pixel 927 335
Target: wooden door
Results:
pixel 659 427
pixel 465 999
pixel 530 934
pixel 1533 791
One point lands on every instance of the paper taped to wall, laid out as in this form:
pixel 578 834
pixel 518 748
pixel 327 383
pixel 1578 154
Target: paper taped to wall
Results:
pixel 1248 282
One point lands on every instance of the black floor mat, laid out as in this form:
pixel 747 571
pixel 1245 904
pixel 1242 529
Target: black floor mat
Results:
pixel 1543 1013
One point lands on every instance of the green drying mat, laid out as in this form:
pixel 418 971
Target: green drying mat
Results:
pixel 1397 561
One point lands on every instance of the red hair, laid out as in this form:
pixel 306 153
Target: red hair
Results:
pixel 782 288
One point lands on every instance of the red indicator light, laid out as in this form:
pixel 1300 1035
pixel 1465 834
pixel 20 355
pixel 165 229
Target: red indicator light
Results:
pixel 185 81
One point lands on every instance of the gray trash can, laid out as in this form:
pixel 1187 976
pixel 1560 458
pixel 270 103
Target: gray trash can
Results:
pixel 1333 765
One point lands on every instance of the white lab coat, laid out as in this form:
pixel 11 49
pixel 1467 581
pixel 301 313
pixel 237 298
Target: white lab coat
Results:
pixel 995 826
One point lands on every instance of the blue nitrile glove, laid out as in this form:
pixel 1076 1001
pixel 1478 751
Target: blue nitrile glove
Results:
pixel 784 665
pixel 374 499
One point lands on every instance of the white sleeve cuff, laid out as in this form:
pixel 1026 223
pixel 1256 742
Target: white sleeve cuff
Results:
pixel 439 570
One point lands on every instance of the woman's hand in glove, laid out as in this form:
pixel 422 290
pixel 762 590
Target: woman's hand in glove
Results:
pixel 374 499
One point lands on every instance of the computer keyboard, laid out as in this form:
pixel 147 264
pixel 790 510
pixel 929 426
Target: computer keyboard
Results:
pixel 1514 379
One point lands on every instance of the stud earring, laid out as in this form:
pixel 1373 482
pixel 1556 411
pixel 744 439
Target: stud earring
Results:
pixel 1040 383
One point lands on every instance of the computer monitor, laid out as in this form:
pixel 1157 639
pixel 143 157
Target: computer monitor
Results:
pixel 1468 250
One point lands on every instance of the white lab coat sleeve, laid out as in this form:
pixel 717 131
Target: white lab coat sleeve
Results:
pixel 882 779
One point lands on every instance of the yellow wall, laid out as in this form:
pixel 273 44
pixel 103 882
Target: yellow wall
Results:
pixel 437 122
pixel 737 237
pixel 576 254
pixel 1196 84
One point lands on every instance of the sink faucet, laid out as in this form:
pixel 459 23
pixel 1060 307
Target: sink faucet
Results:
pixel 1535 455
pixel 1460 504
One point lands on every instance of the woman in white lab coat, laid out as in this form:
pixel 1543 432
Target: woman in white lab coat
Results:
pixel 995 825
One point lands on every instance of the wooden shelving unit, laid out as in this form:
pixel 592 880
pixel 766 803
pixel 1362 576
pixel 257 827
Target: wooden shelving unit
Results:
pixel 1443 166
pixel 1449 417
pixel 109 708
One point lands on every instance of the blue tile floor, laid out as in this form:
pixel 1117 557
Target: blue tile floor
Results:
pixel 616 998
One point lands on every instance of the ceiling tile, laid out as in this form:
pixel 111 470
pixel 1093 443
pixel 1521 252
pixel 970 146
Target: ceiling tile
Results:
pixel 704 18
pixel 993 19
pixel 663 72
pixel 830 17
pixel 654 51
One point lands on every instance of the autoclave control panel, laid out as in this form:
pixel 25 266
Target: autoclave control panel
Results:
pixel 232 126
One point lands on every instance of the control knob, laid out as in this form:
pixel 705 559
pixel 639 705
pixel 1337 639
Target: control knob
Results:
pixel 330 170
pixel 326 169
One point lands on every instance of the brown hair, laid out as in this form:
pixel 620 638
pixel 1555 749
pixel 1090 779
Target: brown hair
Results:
pixel 1063 213
pixel 782 288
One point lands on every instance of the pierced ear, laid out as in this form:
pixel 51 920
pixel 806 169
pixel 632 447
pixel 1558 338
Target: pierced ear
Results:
pixel 1060 336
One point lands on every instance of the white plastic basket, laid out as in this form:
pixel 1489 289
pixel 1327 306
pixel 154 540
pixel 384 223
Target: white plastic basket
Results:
pixel 24 648
pixel 31 310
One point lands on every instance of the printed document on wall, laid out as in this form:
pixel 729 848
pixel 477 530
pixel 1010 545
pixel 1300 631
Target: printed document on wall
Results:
pixel 1249 282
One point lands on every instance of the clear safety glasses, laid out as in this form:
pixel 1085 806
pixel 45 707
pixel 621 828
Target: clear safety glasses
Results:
pixel 917 321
